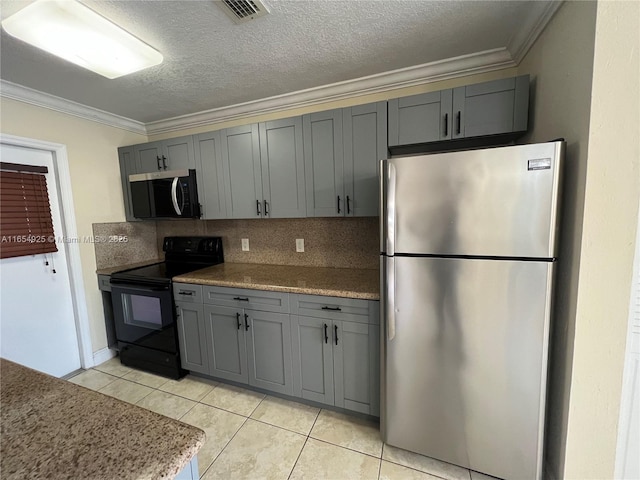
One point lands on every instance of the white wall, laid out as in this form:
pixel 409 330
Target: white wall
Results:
pixel 612 194
pixel 586 90
pixel 560 64
pixel 95 180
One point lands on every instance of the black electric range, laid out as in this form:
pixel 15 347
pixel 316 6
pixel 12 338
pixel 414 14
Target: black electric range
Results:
pixel 143 307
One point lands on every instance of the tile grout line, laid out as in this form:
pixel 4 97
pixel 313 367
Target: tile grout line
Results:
pixel 298 458
pixel 225 446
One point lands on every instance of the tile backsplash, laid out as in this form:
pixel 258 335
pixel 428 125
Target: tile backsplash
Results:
pixel 141 243
pixel 328 242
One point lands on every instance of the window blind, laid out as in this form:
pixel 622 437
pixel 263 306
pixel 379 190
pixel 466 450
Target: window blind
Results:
pixel 26 227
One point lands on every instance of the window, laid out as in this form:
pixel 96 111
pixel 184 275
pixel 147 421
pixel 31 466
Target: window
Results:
pixel 26 227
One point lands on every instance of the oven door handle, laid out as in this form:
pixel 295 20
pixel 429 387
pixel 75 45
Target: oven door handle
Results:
pixel 137 288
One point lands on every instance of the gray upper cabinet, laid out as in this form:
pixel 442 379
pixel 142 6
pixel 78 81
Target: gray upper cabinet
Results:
pixel 420 118
pixel 243 176
pixel 210 177
pixel 127 167
pixel 172 154
pixel 365 144
pixel 490 108
pixel 483 109
pixel 324 164
pixel 282 162
pixel 264 170
pixel 192 337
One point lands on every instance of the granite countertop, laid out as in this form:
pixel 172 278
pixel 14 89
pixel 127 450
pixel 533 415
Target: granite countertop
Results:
pixel 335 282
pixel 52 428
pixel 119 268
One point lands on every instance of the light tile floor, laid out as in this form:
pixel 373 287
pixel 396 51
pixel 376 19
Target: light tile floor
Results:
pixel 250 435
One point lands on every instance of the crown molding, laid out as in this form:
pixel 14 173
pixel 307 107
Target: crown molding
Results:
pixel 406 77
pixel 52 102
pixel 526 36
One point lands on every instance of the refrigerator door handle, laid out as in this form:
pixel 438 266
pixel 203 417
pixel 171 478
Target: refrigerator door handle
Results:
pixel 391 208
pixel 390 298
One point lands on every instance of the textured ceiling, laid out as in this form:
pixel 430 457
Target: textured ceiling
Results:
pixel 211 62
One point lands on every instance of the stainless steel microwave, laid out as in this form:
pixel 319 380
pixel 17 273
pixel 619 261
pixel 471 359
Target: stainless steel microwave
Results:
pixel 170 194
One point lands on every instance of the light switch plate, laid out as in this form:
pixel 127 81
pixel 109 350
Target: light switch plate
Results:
pixel 299 244
pixel 245 244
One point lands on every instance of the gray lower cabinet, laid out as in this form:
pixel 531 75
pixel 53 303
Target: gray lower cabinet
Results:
pixel 268 341
pixel 326 350
pixel 225 336
pixel 250 346
pixel 192 337
pixel 336 352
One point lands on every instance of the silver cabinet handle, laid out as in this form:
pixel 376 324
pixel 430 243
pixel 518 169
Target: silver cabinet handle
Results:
pixel 174 195
pixel 389 297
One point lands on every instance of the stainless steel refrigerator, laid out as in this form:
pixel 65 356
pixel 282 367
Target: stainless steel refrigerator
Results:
pixel 468 243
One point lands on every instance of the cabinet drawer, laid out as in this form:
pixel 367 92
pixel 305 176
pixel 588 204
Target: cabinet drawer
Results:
pixel 244 298
pixel 335 308
pixel 104 283
pixel 187 292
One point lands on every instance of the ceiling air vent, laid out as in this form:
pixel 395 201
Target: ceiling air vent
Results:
pixel 243 10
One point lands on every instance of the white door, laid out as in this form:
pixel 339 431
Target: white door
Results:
pixel 37 324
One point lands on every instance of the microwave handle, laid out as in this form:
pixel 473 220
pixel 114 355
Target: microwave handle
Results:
pixel 174 195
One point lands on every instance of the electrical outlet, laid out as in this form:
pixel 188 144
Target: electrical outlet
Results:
pixel 299 244
pixel 245 244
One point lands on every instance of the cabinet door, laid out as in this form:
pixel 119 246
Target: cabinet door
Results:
pixel 312 358
pixel 420 118
pixel 355 366
pixel 178 153
pixel 148 157
pixel 225 342
pixel 269 351
pixel 323 163
pixel 365 144
pixel 282 163
pixel 490 108
pixel 127 167
pixel 210 175
pixel 192 337
pixel 243 177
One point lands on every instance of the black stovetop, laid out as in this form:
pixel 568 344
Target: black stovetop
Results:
pixel 182 255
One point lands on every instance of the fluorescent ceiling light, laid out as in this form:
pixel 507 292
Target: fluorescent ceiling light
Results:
pixel 72 31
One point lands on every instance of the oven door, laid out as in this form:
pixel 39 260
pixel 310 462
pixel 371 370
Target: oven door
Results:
pixel 144 316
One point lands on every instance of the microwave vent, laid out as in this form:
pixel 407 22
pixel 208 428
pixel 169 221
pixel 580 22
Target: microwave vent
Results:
pixel 241 11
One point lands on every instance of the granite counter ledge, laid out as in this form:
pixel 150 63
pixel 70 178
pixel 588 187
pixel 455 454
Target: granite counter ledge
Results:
pixel 120 268
pixel 52 428
pixel 335 282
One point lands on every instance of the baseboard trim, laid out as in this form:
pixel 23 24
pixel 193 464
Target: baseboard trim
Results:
pixel 103 355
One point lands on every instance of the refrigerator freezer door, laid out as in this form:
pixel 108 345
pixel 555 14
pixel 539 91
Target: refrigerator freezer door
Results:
pixel 465 369
pixel 490 202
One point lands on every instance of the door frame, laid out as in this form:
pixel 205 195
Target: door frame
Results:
pixel 62 176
